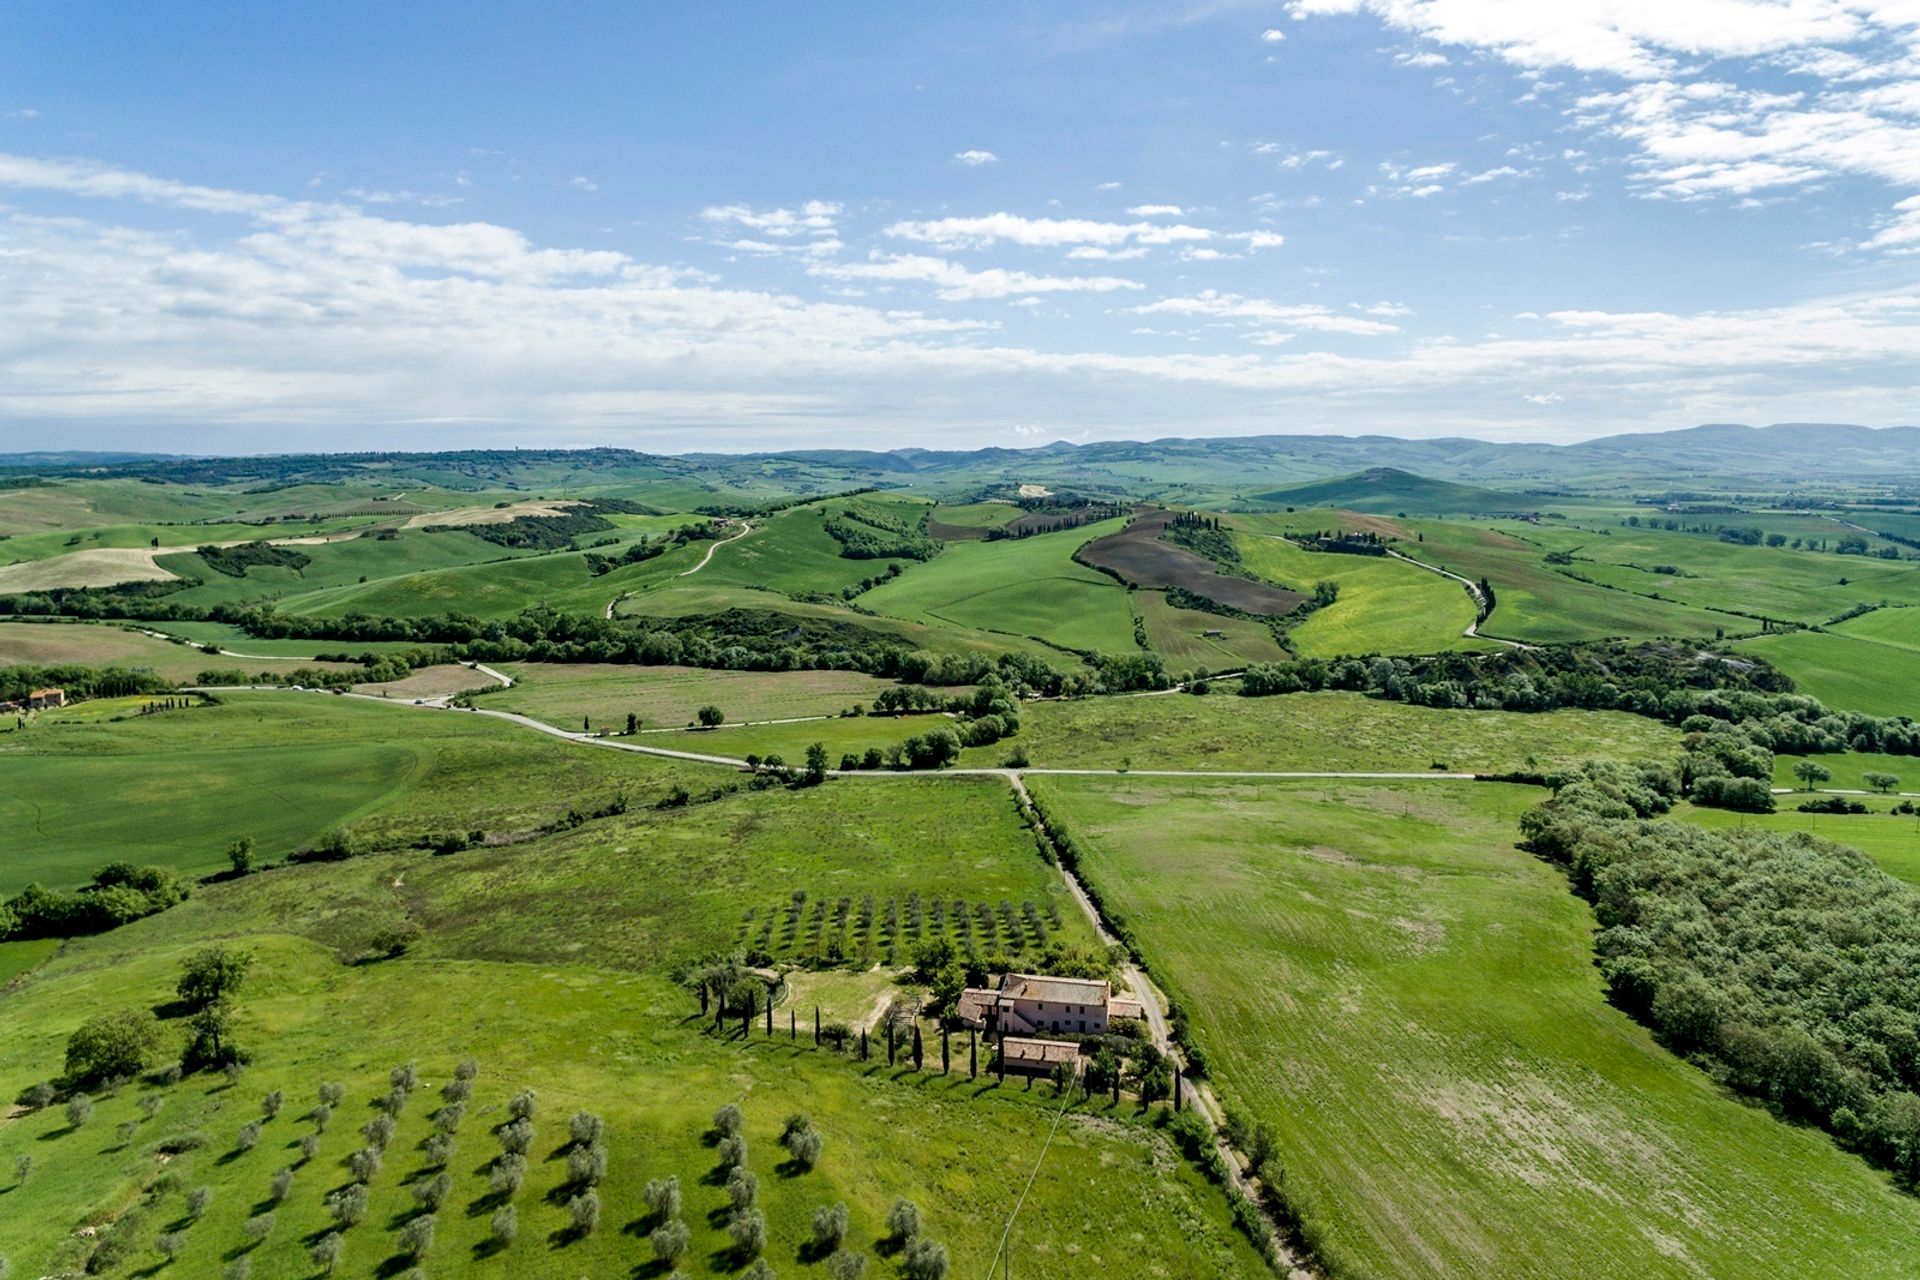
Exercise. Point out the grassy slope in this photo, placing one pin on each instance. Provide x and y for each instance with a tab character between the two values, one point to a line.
1898	627
561	693
1335	731
1384	606
1410	1002
46	643
1180	636
178	787
547	964
1027	586
1846	673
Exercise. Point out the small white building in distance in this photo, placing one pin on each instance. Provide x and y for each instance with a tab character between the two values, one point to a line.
1028	1004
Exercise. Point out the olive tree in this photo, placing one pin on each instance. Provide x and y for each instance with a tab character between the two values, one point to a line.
670	1240
505	1226
748	1231
198	1201
349	1204
522	1105
847	1265
433	1192
325	1253
903	1220
829	1226
516	1139
727	1121
259	1226
509	1171
79	1110
417	1236
282	1185
364	1164
663	1197
249	1136
743	1188
585	1128
584	1209
586	1166
925	1260
378	1132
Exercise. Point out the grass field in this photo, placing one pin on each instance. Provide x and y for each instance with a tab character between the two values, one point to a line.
1846	673
1410	1002
1897	627
792	554
1026	586
547	963
1316	731
176	788
1384	606
223	636
1180	636
1849	770
1891	840
663	697
95	645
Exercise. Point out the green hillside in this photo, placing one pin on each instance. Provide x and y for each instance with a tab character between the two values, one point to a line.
1387	490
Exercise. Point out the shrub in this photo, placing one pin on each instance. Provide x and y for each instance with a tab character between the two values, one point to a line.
517	1138
748	1231
829	1226
198	1201
112	1046
416	1238
903	1220
669	1240
584	1209
509	1171
925	1260
505	1226
79	1110
259	1226
364	1164
271	1104
249	1136
847	1265
586	1166
432	1192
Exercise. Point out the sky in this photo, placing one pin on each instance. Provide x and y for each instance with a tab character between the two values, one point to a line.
250	228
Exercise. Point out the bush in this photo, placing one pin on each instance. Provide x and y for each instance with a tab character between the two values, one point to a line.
584	1209
112	1046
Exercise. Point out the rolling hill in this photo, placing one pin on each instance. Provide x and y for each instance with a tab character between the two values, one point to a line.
1385	490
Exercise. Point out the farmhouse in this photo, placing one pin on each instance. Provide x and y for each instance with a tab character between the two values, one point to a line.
41	699
1027	1004
1029	1057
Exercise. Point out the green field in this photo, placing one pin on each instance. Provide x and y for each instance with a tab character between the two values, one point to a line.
1384	606
94	645
1897	627
1410	1002
1320	731
1182	637
223	636
1849	770
176	788
1024	586
547	963
1846	673
668	697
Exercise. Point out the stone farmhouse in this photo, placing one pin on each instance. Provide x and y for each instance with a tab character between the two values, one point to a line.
1029	1005
42	699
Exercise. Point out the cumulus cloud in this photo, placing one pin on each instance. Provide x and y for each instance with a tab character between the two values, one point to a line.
1273	35
954	282
976	157
1232	306
814	217
1155	211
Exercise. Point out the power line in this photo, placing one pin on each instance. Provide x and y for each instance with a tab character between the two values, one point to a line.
1066	1100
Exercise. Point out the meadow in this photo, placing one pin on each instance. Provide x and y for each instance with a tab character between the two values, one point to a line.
94	645
1025	586
1891	840
1319	731
1182	636
284	769
568	694
1375	972
1849	770
1384	605
1843	671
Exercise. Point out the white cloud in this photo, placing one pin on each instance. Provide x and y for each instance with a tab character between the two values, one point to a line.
1107	186
956	283
1425	59
583	184
24	113
1544	398
1041	233
1273	35
1232	306
815	217
976	157
1156	211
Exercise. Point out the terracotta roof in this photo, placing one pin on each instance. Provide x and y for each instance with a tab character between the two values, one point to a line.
41	693
1125	1007
1057	990
1039	1052
974	1004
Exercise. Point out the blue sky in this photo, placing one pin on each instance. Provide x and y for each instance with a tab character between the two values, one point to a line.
243	227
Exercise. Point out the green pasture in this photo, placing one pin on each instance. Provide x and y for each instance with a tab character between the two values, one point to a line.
176	788
225	636
791	553
1025	586
1319	731
1849	770
1845	672
1410	1003
666	697
1898	627
977	515
97	645
1384	606
1180	636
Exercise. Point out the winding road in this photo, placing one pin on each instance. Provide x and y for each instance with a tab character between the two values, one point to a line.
745	529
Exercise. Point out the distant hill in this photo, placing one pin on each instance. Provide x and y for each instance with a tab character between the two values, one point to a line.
1384	490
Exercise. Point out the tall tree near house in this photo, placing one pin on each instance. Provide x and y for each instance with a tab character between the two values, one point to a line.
973	1056
943	1048
918	1053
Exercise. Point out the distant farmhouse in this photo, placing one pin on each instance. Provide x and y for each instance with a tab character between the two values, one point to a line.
43	699
1028	1005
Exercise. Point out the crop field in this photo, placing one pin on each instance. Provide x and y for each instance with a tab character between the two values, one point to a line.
564	693
960	522
85	644
1139	556
1320	731
1384	606
1845	672
1026	586
861	930
1409	1001
1183	636
284	768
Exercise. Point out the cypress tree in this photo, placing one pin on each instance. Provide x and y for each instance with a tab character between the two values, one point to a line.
918	1055
816	1026
943	1048
973	1056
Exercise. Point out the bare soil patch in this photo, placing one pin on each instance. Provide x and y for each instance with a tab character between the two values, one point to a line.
1137	556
